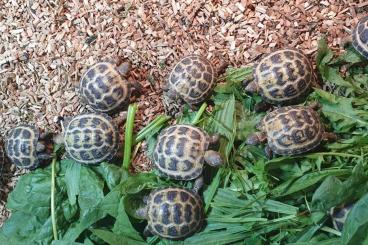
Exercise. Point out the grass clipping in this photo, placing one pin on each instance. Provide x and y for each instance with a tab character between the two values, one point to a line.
249	200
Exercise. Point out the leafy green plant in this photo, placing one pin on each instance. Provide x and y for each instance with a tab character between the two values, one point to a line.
249	200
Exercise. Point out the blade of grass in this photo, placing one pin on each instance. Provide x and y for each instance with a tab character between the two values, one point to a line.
154	124
129	135
199	113
53	211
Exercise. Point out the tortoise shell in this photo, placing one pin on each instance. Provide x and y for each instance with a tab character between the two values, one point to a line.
193	79
174	213
284	77
339	215
179	151
2	153
292	130
21	146
91	138
360	37
104	88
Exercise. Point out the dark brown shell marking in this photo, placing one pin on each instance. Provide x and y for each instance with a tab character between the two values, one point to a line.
179	152
20	146
104	89
293	130
193	79
174	213
284	76
91	138
360	37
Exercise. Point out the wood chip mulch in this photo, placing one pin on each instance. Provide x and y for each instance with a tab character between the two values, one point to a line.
46	45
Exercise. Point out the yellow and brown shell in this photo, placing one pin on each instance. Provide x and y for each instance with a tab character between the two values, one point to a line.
174	213
284	77
91	138
292	130
193	79
179	151
21	146
104	88
360	37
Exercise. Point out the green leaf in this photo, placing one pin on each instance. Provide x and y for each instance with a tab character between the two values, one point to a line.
356	224
90	190
297	184
111	174
114	239
72	176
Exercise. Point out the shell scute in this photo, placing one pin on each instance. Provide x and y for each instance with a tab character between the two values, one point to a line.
360	37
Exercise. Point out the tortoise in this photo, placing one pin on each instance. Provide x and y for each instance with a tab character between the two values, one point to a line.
283	77
191	81
339	215
290	130
360	37
104	88
172	213
26	147
89	138
181	150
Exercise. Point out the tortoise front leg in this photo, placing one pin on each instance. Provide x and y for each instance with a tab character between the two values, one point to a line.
198	184
147	232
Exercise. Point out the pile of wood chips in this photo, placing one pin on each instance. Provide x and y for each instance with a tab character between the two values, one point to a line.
46	45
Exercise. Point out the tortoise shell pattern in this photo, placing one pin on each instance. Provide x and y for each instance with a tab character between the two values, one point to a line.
292	130
104	89
174	213
91	138
284	77
193	79
179	152
339	215
360	37
20	146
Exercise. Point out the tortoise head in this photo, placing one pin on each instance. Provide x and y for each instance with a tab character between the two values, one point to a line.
252	87
256	138
213	158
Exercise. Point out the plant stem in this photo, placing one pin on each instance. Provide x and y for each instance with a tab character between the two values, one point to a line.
129	135
199	113
53	211
157	122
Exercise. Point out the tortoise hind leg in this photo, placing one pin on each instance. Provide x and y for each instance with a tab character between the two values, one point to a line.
328	136
198	184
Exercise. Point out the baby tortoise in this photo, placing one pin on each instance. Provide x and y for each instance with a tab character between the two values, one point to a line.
290	130
172	213
191	81
181	151
339	215
26	147
360	37
89	138
283	77
104	87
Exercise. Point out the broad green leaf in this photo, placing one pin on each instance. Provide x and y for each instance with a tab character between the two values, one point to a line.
72	176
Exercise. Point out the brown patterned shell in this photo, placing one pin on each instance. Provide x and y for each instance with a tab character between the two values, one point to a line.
179	152
104	89
284	77
174	213
292	130
20	146
360	37
193	79
91	138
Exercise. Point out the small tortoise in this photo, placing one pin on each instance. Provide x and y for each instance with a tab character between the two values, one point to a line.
104	87
89	138
360	37
181	151
191	81
290	130
283	77
172	213
26	147
339	215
